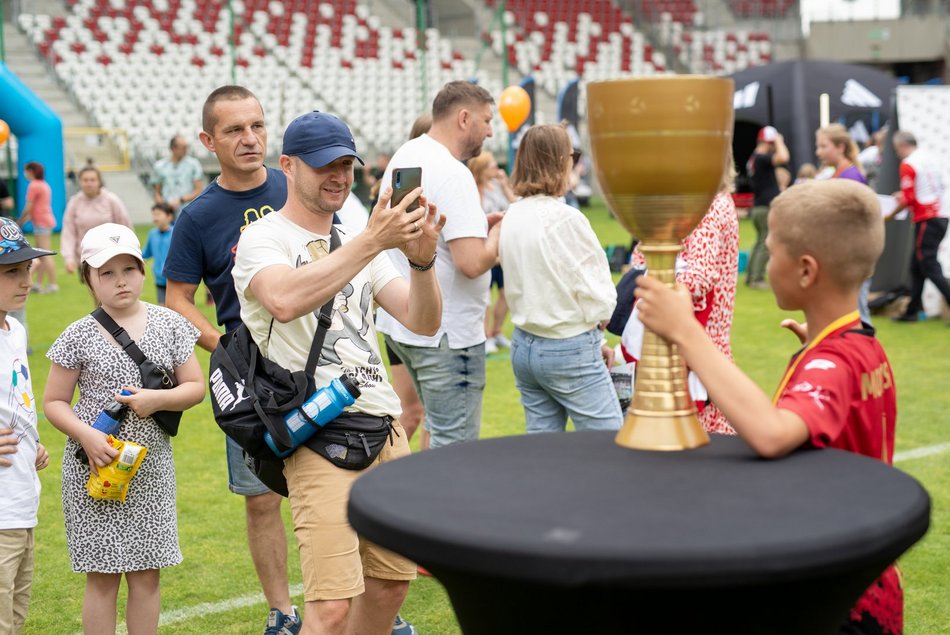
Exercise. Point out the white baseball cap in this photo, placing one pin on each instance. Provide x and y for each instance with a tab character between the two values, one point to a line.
768	133
106	241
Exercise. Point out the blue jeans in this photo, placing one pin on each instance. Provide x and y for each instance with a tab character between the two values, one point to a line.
450	383
241	479
564	378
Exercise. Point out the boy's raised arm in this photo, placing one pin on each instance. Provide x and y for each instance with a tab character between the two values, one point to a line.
770	431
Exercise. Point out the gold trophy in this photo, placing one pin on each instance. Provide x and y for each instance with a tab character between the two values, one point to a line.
660	146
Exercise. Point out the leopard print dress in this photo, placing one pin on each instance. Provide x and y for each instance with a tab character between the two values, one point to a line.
142	532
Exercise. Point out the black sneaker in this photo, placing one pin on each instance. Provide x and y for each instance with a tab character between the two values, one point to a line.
905	317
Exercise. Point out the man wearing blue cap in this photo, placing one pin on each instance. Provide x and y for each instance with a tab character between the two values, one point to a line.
287	266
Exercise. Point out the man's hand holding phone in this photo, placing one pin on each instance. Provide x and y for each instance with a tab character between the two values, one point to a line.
412	224
420	249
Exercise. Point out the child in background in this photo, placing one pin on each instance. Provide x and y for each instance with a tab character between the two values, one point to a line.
156	246
822	400
21	453
806	172
783	177
108	538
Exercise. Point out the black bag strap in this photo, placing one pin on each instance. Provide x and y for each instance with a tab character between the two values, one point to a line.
324	320
280	433
120	335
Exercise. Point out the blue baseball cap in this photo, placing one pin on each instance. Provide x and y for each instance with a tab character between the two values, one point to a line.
13	245
319	139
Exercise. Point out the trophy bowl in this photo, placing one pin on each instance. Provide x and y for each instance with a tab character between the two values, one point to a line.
660	146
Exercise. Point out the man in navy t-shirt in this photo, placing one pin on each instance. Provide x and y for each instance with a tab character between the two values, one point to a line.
202	250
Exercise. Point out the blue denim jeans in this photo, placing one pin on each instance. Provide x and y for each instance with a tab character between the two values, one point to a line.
241	479
564	378
450	383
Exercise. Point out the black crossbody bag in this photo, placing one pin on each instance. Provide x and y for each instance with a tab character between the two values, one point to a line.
154	376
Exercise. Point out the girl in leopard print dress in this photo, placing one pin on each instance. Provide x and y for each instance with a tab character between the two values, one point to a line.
107	538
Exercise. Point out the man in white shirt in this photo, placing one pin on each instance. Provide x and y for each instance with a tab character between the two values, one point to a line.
285	270
449	367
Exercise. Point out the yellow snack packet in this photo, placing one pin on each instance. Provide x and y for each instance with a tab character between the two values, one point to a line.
112	481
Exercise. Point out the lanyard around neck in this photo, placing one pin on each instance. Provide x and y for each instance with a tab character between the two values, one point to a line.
838	324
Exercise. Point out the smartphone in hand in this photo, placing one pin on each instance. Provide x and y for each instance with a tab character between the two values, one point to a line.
405	180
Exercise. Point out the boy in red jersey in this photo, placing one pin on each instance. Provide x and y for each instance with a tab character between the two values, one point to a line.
838	390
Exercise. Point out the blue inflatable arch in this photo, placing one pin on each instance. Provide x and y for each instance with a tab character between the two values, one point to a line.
39	133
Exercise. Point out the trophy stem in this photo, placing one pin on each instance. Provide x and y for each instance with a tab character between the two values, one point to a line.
662	415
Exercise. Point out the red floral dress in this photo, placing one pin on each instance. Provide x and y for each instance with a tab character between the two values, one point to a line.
709	267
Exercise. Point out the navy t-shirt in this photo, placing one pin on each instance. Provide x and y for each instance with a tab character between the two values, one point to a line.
206	236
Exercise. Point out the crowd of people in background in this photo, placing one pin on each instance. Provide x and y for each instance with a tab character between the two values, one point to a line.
272	245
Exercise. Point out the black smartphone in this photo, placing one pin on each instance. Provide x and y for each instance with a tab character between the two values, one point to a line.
405	180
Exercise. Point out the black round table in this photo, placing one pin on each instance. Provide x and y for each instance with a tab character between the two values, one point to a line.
570	533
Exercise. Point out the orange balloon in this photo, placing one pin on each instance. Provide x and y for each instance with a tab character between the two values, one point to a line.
4	132
514	107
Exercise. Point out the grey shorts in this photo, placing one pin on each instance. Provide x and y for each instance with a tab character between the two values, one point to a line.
240	478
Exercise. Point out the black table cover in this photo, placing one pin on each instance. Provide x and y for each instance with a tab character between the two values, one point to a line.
574	533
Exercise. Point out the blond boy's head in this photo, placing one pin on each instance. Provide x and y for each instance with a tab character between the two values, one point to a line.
838	222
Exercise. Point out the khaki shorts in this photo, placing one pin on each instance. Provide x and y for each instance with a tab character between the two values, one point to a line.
333	558
16	577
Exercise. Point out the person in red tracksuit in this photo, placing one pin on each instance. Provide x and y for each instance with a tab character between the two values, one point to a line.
921	189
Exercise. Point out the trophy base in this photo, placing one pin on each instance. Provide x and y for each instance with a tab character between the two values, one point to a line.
661	431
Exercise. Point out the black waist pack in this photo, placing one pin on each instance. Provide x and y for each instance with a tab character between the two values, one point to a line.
154	377
353	440
251	395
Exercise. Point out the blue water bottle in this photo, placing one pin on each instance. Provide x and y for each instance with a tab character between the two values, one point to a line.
111	416
324	406
107	422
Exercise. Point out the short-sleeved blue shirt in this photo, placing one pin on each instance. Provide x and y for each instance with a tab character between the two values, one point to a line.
206	236
157	247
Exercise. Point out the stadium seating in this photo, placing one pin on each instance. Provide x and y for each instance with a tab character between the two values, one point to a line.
679	28
761	8
147	65
682	11
593	39
567	39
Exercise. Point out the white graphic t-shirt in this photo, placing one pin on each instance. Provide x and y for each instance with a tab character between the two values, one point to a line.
21	485
351	345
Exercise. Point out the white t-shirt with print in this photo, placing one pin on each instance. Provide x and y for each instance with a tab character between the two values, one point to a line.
21	485
351	345
450	185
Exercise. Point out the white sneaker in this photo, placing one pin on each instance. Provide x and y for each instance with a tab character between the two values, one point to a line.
490	347
501	341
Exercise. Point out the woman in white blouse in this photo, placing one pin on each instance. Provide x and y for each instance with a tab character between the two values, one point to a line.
559	292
